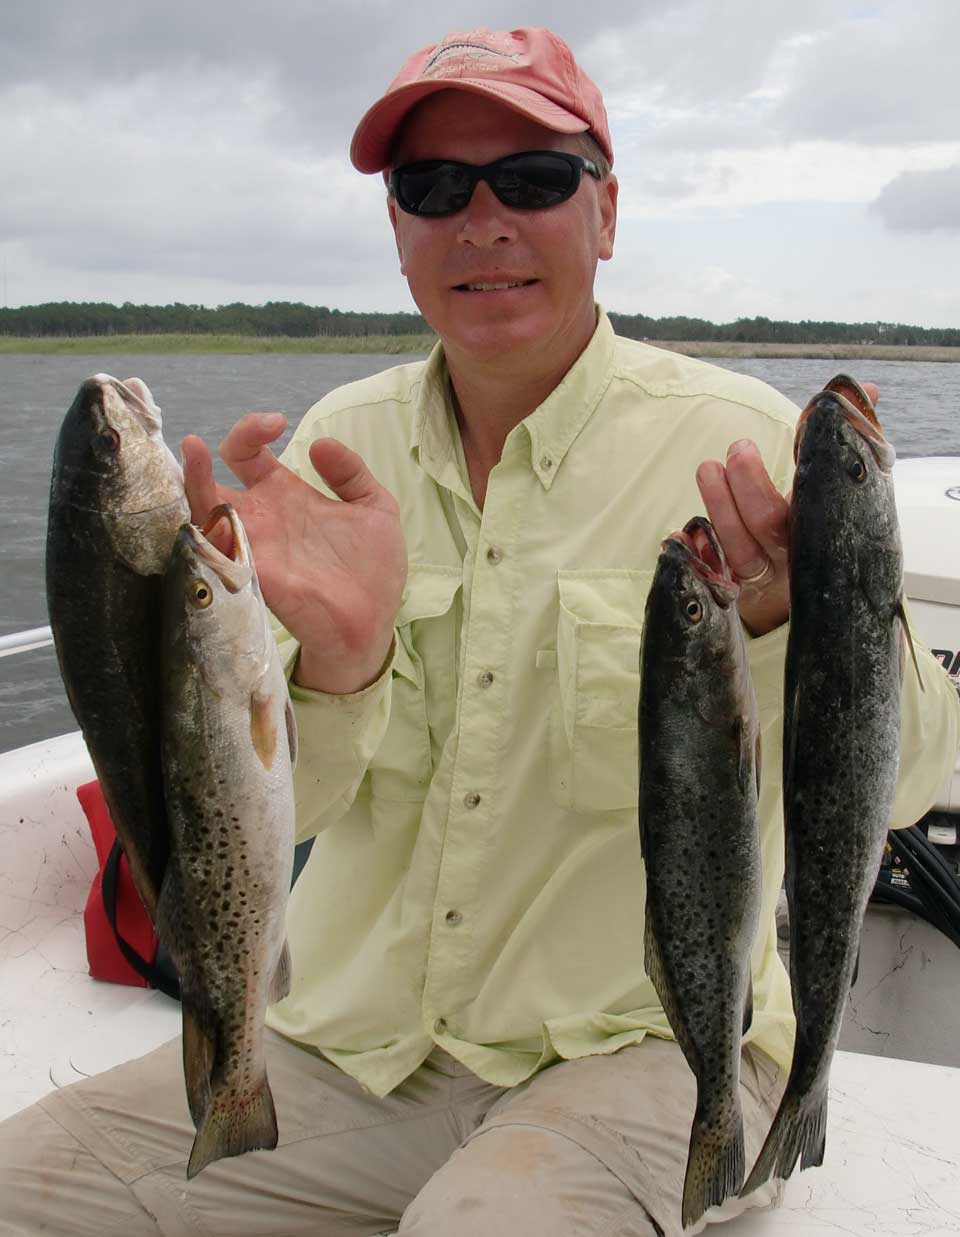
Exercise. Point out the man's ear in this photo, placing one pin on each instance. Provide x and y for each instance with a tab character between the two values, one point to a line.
608	215
394	221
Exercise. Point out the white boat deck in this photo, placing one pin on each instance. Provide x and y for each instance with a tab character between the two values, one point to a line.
893	1141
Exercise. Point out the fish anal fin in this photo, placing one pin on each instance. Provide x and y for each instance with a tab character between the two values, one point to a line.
748	1007
234	1124
199	1056
280	984
263	728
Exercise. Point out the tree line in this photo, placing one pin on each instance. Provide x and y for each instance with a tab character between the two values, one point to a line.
69	318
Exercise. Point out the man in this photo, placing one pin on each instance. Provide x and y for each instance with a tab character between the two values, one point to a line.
471	1043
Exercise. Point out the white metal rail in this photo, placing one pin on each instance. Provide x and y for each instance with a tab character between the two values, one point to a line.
23	641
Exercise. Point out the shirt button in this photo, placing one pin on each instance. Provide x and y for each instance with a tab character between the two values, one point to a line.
453	918
485	678
546	462
471	799
494	554
440	1026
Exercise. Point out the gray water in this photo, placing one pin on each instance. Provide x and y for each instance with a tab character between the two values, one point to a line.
920	409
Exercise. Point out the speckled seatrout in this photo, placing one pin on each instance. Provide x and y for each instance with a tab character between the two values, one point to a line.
116	503
841	736
229	742
699	835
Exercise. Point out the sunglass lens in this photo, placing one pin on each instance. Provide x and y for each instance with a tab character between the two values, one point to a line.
533	181
433	188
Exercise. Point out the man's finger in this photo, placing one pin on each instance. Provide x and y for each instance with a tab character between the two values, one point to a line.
345	472
761	506
246	451
744	553
203	493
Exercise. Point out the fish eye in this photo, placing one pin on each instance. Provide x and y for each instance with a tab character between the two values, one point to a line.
108	440
693	610
201	594
857	471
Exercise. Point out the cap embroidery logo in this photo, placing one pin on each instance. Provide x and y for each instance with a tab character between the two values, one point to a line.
453	58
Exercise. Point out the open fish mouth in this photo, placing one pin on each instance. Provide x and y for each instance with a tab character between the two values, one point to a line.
859	411
138	400
700	546
235	568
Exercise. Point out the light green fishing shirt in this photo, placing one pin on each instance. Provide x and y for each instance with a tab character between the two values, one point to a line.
476	881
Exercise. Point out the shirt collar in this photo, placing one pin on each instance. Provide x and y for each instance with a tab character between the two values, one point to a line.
549	430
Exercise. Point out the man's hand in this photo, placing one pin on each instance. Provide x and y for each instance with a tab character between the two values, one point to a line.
750	518
332	572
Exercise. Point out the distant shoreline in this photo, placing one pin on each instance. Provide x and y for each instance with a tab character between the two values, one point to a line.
396	345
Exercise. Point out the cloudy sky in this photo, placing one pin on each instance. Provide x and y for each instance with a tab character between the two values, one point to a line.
793	160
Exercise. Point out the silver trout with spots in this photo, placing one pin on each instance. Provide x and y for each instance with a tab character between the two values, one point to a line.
700	841
841	734
229	742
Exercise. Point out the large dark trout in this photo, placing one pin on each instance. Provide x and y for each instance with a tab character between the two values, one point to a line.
116	503
229	741
841	736
700	840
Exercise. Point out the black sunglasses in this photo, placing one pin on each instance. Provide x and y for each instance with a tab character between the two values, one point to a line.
531	180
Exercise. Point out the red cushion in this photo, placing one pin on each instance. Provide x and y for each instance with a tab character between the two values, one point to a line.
104	958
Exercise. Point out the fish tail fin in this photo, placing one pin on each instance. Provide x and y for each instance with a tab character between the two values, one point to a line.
234	1124
799	1130
715	1163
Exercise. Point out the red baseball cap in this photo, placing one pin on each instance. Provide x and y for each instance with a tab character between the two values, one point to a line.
530	70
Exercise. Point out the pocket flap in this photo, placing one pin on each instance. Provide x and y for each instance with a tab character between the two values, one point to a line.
430	591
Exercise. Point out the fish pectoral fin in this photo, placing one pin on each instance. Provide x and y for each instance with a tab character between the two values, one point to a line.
280	984
746	754
263	728
907	638
292	740
199	1054
748	1008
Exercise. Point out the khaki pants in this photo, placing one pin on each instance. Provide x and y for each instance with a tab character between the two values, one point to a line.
592	1146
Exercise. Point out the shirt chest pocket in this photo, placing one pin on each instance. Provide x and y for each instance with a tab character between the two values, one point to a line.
421	712
593	748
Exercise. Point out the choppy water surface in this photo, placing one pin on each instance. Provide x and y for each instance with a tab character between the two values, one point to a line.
920	410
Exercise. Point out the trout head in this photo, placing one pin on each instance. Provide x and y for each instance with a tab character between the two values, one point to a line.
843	514
111	459
215	623
692	633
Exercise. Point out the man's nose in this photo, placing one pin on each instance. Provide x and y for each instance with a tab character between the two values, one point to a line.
485	221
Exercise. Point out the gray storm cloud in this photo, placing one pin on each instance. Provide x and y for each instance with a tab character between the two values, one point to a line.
190	146
921	201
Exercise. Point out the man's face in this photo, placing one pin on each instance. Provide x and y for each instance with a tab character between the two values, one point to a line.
550	254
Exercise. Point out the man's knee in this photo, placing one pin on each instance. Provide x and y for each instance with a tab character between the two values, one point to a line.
524	1179
50	1183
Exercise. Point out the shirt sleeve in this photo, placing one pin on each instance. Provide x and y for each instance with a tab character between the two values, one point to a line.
337	737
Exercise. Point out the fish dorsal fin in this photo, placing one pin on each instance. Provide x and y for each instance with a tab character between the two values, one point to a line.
263	727
907	638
